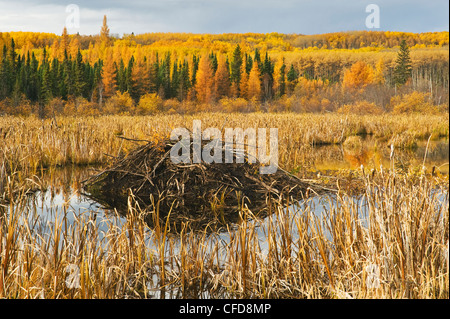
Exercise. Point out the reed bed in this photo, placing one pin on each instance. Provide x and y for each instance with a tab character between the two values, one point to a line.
389	239
32	144
389	242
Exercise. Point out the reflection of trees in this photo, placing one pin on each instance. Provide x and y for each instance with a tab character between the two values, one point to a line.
438	151
321	154
373	153
359	157
65	181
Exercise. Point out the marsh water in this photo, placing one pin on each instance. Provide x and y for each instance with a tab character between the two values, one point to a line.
60	193
59	197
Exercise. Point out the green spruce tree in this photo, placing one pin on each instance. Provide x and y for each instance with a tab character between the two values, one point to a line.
403	68
236	64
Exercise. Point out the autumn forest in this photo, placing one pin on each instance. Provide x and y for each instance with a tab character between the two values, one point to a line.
358	72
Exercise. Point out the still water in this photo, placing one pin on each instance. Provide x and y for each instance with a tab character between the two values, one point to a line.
372	153
61	197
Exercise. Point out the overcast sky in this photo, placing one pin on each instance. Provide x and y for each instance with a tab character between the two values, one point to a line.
222	16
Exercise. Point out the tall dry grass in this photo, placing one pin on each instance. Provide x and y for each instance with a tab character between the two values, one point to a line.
391	242
32	144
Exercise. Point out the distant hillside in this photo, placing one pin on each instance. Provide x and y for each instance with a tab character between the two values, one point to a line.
117	74
282	42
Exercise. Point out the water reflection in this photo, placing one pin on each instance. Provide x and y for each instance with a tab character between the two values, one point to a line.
62	199
58	196
372	153
59	191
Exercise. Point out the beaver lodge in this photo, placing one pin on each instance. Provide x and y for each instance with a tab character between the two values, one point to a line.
203	194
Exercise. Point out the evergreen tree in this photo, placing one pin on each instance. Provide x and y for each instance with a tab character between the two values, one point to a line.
22	79
64	78
121	77
291	77
97	84
5	75
128	74
79	72
236	64
194	70
257	57
54	72
213	61
267	77
403	68
33	88
248	63
46	85
13	55
185	82
164	77
174	86
292	74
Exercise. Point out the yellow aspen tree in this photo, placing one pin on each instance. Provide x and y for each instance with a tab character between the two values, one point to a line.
358	76
28	46
204	80
378	77
254	83
91	54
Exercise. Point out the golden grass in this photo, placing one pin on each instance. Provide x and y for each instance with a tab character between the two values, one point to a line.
31	143
391	243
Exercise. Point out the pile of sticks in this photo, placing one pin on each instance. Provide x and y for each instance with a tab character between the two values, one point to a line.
205	194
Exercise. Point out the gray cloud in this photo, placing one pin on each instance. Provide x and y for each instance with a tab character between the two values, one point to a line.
222	16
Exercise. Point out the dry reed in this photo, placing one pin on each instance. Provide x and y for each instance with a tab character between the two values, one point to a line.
391	241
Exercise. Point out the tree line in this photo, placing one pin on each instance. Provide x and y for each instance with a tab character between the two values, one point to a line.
64	71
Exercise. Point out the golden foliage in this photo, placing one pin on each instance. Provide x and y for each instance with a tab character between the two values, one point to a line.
204	81
109	75
361	108
254	83
358	76
119	103
415	102
149	103
222	79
